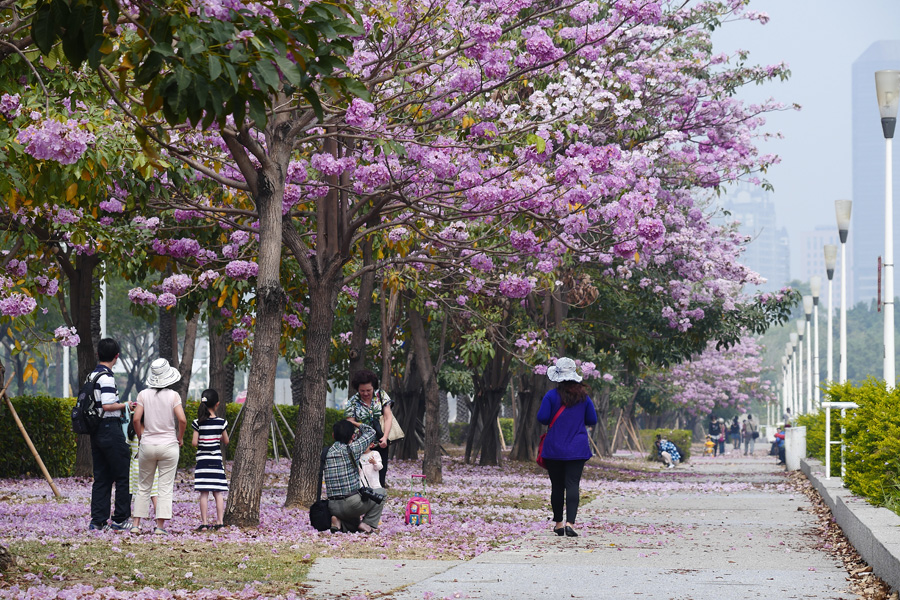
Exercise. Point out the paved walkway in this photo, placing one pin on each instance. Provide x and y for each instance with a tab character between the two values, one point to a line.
718	529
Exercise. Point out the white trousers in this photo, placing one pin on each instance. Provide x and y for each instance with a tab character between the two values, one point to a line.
151	458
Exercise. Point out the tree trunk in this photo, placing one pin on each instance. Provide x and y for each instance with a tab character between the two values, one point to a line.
186	366
463	413
407	409
600	434
302	485
297	386
532	388
445	416
431	466
167	334
248	473
363	314
490	388
81	293
221	369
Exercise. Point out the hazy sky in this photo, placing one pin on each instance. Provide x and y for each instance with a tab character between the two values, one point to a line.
819	39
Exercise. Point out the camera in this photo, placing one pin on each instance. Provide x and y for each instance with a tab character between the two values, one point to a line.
368	493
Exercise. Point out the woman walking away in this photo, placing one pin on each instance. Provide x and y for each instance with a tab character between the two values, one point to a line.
209	475
567	411
159	422
367	406
735	431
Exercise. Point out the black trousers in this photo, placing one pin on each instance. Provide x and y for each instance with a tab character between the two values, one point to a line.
111	459
382	474
565	486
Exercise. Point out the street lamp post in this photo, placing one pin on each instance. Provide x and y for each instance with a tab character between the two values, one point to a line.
801	388
786	387
842	210
830	264
789	397
795	361
887	89
807	310
815	285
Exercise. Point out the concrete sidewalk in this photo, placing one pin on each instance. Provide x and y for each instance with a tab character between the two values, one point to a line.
686	538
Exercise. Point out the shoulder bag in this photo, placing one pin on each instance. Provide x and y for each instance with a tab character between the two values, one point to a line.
540	458
396	433
319	513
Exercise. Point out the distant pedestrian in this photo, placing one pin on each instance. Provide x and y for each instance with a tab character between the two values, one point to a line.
718	430
109	450
162	433
735	433
668	452
749	431
209	474
566	447
779	441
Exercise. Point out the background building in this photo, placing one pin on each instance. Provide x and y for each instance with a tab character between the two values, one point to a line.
867	222
768	252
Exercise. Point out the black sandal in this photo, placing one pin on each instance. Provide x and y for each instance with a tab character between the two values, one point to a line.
202	528
217	526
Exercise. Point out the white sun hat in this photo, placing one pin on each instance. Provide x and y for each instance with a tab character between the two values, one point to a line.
162	374
563	370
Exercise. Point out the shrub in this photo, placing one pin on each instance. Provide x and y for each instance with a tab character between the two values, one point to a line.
458	433
873	440
679	437
49	425
507	427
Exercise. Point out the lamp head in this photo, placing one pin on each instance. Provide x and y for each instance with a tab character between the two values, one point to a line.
830	260
887	90
784	361
807	306
801	327
842	211
794	339
815	287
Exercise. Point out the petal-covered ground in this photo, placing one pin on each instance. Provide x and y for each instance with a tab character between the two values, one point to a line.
475	509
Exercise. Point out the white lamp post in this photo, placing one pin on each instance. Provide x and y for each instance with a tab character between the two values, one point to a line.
807	310
815	285
801	386
789	379
795	363
842	211
830	264
887	89
786	387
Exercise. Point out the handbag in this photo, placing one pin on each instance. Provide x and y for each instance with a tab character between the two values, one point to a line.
396	433
755	435
319	513
540	458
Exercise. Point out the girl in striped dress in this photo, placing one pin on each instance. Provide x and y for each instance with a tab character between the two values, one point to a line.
209	476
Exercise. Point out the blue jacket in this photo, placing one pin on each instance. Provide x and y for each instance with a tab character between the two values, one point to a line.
568	438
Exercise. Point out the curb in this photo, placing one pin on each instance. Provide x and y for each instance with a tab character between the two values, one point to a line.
873	531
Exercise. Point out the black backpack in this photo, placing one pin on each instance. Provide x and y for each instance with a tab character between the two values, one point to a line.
88	411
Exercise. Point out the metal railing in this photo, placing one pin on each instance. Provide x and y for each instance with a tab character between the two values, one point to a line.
828	406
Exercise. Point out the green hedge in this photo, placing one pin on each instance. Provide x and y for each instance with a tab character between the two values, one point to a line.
508	428
679	437
872	438
49	425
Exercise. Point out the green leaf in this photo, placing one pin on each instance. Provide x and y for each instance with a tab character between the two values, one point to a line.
289	69
215	67
355	87
267	74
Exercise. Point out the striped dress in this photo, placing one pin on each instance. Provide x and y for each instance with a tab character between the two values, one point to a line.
209	476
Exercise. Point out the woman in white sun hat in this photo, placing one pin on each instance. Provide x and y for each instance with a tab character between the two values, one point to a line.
161	434
567	410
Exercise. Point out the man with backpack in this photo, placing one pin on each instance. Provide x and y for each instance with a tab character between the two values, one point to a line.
109	449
